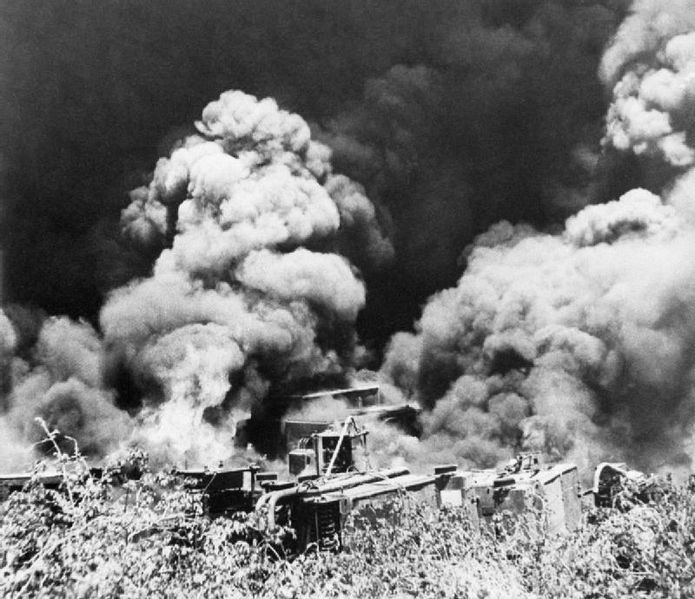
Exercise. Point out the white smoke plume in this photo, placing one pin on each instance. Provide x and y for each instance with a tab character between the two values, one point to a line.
651	67
249	295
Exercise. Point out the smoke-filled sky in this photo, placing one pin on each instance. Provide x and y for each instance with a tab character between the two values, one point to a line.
454	114
487	201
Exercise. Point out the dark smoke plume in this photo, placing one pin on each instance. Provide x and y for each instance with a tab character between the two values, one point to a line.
580	344
453	114
465	135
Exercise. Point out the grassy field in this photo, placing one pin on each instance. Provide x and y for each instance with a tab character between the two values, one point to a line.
150	539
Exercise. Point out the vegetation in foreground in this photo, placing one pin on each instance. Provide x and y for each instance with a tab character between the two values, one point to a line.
149	538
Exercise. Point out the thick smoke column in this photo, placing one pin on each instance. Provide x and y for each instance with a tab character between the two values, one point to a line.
580	344
247	297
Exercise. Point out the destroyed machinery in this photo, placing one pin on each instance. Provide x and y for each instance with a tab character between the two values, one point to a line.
330	477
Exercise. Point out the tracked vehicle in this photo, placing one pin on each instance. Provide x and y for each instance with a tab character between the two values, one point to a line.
333	479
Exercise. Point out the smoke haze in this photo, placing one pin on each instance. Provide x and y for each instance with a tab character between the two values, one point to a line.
580	343
454	114
537	152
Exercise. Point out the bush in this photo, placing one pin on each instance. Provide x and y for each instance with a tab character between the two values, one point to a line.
149	538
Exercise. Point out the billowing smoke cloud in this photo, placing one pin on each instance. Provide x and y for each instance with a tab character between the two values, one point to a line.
579	344
574	345
248	298
452	115
651	66
238	306
230	274
488	124
60	381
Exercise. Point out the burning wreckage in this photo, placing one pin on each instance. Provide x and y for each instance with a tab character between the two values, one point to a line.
330	477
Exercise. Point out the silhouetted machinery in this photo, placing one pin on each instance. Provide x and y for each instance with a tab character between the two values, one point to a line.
331	484
226	491
334	479
330	476
11	483
54	479
524	484
276	426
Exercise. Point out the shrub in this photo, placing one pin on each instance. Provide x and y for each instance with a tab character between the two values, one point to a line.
149	538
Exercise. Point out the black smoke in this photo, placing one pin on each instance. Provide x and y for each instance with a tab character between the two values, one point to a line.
453	115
